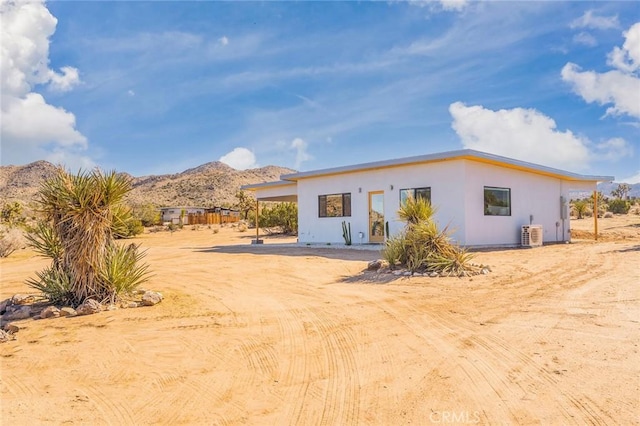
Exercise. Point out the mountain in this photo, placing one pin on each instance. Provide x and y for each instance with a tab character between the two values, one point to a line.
607	187
211	184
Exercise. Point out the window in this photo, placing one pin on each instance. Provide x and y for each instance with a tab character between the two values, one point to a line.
334	205
416	193
497	201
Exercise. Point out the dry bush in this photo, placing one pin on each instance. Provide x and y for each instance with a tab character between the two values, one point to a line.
242	227
11	239
608	215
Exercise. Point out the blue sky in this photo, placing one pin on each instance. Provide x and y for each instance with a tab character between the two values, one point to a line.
159	87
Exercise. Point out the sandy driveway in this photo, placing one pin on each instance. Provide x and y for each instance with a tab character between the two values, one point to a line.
279	335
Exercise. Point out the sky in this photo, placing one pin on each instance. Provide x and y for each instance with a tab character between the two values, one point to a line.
161	87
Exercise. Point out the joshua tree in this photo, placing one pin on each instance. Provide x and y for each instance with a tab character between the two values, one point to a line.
83	213
581	207
621	191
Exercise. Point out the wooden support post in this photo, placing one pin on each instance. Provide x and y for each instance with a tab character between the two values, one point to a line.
257	240
595	214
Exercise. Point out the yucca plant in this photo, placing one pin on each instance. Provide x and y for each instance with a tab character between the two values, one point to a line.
422	246
83	214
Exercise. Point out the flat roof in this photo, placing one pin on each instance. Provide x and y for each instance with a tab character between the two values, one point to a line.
273	184
463	154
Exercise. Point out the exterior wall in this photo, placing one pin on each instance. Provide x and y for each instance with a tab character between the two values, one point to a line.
173	214
446	180
531	195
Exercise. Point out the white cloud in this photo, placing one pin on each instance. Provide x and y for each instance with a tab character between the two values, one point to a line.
456	5
240	158
448	5
30	128
591	20
612	87
627	58
619	87
301	152
524	134
65	81
613	149
632	179
223	40
585	38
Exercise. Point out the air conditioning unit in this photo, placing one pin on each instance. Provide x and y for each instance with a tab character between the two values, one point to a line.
531	236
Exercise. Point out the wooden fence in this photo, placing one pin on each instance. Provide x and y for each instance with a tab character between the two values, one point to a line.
211	218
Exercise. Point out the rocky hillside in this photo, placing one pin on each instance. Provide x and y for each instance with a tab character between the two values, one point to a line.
211	184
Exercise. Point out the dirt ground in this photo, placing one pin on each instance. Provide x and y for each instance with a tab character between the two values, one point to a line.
296	335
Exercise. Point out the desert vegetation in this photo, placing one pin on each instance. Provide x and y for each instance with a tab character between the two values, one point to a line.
83	214
621	203
423	247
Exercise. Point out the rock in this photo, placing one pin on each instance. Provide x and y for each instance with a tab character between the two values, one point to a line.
484	271
68	312
89	307
132	305
151	298
397	273
11	328
5	337
3	305
407	273
17	312
50	312
434	274
374	265
112	307
141	291
22	299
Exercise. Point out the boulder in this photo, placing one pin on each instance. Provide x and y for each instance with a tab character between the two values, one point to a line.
17	312
22	299
3	305
374	265
68	312
50	312
88	307
11	328
151	298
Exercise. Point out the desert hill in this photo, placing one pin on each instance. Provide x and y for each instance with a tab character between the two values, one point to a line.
211	184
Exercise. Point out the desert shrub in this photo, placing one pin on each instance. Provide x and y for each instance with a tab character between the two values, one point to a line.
11	239
283	216
579	208
635	210
11	213
242	227
608	215
83	214
216	230
619	206
148	214
54	285
422	246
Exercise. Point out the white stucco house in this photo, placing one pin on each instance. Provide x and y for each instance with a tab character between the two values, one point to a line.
484	198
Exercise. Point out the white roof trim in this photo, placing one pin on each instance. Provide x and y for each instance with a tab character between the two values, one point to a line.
442	156
268	184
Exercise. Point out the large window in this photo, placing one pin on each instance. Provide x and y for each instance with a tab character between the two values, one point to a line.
334	205
415	193
497	201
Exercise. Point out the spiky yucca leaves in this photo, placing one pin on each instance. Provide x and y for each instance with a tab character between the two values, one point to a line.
54	285
122	269
414	211
423	246
84	211
44	240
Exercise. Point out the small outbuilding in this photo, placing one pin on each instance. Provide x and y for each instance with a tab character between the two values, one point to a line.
485	199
